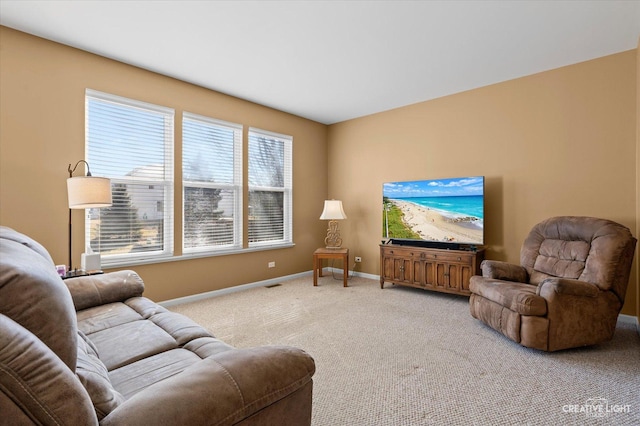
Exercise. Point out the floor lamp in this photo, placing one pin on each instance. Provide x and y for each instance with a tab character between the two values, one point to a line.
85	192
333	212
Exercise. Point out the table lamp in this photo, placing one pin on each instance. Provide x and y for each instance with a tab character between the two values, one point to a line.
333	212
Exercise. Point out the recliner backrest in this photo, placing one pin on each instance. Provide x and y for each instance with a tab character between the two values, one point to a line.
33	295
588	249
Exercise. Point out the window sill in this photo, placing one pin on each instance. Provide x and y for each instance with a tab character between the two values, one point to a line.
189	256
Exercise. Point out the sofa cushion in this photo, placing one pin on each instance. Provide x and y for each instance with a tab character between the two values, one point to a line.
130	342
33	295
94	377
106	316
518	297
135	377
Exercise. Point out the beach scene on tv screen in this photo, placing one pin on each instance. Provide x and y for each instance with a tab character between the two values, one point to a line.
443	210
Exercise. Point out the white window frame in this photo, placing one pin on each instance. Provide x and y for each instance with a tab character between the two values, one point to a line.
235	186
286	189
167	182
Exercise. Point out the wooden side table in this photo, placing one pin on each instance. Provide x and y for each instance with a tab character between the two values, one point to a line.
325	253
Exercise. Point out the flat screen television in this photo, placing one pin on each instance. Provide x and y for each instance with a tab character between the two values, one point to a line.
439	213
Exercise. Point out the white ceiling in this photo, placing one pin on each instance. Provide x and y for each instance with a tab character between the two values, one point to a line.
331	61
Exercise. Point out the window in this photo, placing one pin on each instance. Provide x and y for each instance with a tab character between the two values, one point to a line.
270	186
131	143
212	184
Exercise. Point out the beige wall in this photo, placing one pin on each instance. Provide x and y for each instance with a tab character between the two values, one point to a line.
42	131
561	142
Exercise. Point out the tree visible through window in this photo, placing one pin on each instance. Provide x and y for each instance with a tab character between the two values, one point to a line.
269	188
212	183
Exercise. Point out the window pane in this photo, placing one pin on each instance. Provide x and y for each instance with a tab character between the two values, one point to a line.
266	218
266	161
133	224
208	152
131	143
212	179
208	217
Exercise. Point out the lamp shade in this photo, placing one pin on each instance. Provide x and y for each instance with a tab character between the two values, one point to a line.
333	210
85	192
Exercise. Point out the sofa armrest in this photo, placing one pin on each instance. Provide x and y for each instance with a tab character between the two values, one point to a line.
568	287
225	389
503	271
94	290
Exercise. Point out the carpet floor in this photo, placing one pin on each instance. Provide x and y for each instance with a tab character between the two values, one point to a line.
403	356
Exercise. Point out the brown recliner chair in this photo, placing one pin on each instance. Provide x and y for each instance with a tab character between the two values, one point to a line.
569	290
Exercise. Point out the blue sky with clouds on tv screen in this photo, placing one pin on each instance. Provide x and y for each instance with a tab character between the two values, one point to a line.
435	188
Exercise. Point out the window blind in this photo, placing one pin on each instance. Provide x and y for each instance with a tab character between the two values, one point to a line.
212	184
130	142
270	188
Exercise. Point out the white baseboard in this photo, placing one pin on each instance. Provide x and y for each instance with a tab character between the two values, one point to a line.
630	319
352	273
222	291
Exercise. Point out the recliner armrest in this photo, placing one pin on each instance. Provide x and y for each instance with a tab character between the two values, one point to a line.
225	389
94	290
564	286
499	270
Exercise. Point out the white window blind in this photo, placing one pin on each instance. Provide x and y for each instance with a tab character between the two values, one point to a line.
270	188
212	184
130	142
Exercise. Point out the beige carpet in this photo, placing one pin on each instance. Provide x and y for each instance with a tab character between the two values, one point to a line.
402	356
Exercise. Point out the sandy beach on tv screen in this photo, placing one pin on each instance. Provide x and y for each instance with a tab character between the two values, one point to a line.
432	225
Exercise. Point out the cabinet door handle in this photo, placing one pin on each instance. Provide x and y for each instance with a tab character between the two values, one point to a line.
459	258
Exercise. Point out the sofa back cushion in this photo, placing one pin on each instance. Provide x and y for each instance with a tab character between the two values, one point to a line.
33	295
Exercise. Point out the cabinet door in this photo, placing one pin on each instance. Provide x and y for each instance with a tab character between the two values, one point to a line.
466	272
429	274
417	271
394	268
401	269
451	276
387	268
442	275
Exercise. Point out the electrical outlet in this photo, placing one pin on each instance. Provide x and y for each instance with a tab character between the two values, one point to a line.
271	264
358	259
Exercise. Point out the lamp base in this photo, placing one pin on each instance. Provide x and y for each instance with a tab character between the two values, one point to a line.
333	239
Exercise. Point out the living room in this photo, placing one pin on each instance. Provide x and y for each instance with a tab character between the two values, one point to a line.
563	141
557	142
